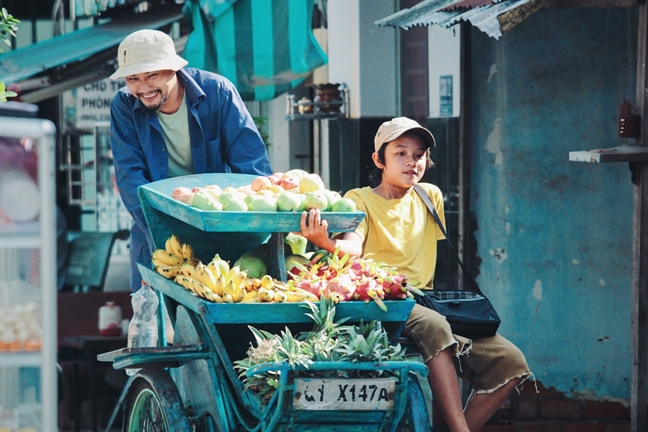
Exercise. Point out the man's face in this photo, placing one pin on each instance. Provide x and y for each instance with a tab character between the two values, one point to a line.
152	88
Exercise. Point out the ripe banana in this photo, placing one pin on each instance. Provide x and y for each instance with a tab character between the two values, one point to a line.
162	257
207	277
168	272
219	286
187	251
238	279
215	269
185	281
249	296
239	294
173	245
267	282
221	264
297	296
265	295
280	297
227	298
192	261
211	296
188	270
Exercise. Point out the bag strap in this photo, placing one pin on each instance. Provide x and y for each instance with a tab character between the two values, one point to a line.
428	203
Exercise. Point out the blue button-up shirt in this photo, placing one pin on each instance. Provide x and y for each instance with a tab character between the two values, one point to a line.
223	136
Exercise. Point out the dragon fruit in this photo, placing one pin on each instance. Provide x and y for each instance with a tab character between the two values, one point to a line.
340	288
369	289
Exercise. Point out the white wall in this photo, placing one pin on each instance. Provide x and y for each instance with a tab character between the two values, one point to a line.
444	59
279	151
363	55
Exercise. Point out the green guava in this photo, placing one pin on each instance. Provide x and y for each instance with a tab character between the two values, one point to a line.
344	205
288	201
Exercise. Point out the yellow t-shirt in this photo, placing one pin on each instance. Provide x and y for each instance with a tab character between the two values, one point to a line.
401	232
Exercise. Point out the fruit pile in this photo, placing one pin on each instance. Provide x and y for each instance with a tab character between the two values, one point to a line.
218	282
346	278
293	191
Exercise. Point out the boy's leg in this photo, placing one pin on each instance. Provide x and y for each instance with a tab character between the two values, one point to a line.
445	387
494	366
481	406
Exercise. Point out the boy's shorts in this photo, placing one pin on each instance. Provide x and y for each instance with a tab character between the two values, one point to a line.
486	363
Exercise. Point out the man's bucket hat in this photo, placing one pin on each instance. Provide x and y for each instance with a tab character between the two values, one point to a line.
390	130
147	51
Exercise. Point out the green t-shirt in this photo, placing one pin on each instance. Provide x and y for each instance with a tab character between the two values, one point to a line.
175	128
401	232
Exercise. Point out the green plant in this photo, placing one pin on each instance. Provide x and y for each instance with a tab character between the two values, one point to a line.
8	27
261	124
328	341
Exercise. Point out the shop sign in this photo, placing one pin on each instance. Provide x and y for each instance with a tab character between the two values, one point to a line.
90	104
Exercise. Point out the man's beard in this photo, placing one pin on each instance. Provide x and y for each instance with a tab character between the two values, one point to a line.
158	105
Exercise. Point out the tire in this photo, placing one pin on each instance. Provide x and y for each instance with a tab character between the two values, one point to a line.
154	404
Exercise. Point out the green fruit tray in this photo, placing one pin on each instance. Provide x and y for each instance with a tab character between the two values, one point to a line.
158	196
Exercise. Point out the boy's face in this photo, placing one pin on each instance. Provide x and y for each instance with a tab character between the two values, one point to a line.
152	88
405	161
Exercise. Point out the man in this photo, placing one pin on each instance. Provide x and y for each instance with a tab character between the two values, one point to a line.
170	121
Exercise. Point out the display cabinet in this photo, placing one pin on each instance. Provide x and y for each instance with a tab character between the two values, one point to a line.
28	274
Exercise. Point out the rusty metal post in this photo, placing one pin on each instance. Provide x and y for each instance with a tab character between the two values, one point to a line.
639	386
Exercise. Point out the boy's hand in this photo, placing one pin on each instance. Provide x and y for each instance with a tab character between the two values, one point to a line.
314	228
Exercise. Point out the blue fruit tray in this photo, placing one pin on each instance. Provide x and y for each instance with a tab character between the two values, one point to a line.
157	195
276	313
230	234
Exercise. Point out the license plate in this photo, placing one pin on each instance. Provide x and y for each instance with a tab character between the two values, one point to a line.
344	394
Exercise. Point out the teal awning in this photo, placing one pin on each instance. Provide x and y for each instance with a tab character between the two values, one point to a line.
66	57
264	47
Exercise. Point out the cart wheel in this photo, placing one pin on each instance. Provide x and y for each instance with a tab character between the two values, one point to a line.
154	404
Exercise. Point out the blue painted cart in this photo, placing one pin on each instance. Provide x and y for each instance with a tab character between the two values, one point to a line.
192	384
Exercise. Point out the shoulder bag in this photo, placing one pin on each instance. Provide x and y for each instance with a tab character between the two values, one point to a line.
469	312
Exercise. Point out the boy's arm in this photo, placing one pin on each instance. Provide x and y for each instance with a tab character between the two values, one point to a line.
315	229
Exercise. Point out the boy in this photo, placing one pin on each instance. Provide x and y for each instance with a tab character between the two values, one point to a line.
398	229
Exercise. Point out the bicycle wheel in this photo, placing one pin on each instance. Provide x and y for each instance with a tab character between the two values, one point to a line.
154	405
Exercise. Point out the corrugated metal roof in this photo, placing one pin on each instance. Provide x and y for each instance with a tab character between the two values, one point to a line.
493	17
61	50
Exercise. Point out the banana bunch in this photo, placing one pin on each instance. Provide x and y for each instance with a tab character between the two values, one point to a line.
269	290
169	261
216	281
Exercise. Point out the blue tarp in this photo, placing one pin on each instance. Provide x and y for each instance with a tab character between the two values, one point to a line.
264	47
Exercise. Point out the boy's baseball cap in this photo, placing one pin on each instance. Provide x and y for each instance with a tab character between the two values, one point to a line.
396	127
147	51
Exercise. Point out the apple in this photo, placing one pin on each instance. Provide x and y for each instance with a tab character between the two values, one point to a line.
182	193
261	183
275	178
289	181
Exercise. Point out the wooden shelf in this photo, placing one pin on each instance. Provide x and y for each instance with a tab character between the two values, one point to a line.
625	153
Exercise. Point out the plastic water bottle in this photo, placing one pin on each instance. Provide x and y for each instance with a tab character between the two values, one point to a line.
143	328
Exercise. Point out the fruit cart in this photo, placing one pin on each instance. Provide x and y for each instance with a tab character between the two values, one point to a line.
193	385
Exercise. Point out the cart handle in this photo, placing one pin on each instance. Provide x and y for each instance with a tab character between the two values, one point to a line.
338	365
